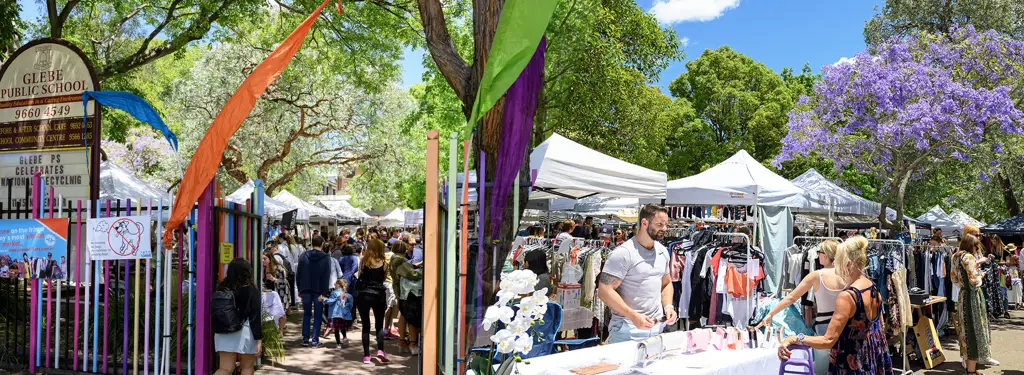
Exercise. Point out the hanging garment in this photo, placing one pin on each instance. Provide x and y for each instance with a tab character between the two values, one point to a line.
899	281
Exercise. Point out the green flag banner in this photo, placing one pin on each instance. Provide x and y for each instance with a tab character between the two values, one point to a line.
522	24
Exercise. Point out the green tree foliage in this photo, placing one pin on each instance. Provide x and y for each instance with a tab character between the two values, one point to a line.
902	18
306	126
11	27
601	56
731	103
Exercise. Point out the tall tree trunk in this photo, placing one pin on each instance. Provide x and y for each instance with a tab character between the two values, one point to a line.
1008	196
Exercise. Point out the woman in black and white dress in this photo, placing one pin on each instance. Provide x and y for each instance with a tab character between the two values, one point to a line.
247	343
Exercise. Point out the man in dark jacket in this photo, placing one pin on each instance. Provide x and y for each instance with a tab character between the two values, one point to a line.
313	277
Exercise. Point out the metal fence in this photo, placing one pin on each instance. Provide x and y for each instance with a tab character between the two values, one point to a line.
124	316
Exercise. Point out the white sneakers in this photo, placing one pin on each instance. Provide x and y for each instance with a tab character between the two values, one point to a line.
984	362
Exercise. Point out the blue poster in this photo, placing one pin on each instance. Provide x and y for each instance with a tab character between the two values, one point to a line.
35	248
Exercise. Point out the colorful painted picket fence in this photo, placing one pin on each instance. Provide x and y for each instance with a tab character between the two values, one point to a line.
128	316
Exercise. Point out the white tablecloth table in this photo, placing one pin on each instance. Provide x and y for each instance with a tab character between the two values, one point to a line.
732	362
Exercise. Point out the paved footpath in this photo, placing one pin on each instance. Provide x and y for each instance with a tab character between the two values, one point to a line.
331	360
1007	347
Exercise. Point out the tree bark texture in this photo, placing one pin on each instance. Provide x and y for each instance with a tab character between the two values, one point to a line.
1008	196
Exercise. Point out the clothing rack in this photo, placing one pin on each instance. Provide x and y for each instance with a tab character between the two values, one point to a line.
903	346
822	239
746	240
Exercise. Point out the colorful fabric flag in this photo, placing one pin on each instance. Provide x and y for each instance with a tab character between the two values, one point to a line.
522	24
135	106
204	162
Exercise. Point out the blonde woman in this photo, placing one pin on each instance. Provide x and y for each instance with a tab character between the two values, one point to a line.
855	333
826	286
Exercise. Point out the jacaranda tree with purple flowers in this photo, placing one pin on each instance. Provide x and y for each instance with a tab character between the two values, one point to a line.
916	103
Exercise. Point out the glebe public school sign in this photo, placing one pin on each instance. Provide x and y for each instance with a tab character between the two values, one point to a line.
41	127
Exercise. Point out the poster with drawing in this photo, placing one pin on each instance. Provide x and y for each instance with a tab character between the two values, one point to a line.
119	238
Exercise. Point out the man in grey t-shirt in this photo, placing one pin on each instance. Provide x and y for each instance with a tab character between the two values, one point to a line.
635	283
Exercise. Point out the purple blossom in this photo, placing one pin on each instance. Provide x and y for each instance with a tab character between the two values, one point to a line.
921	95
950	199
983	176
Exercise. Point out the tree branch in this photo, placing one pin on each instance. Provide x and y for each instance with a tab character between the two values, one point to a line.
232	164
442	49
290	174
195	31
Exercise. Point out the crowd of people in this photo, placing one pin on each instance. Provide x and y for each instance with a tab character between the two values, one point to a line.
337	279
374	277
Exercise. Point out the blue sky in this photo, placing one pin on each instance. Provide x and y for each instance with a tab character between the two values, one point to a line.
777	33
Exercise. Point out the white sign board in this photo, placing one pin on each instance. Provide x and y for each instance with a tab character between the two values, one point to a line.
41	125
119	238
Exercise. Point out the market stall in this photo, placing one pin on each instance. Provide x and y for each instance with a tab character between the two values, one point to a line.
271	207
962	218
341	208
308	211
734	186
564	172
937	218
570	170
393	219
1013	226
622	358
117	183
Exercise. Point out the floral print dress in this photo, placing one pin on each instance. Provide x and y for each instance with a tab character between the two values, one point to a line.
972	326
862	348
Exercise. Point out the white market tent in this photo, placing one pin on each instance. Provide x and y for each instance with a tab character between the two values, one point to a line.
937	218
568	169
340	207
555	204
823	195
963	218
604	207
393	219
271	207
739	180
117	183
413	218
306	210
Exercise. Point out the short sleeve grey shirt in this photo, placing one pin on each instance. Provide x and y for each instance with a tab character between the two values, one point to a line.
641	271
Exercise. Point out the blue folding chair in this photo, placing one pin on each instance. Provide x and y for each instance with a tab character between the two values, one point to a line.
543	335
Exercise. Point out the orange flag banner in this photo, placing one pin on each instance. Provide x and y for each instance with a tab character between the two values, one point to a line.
204	162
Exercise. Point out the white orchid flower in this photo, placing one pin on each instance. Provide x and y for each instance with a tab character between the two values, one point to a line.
496	313
505	340
523	344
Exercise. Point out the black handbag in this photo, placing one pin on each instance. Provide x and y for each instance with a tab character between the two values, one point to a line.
367	290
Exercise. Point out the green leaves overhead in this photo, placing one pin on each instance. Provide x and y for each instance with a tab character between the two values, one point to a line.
732	103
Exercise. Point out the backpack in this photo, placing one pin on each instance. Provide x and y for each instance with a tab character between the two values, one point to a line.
226	317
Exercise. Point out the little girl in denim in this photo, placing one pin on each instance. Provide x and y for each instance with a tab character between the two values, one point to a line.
339	312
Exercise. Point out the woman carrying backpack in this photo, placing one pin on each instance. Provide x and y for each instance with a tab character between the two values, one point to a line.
236	320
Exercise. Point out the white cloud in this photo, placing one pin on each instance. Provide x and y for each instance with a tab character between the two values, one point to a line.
845	60
675	11
685	41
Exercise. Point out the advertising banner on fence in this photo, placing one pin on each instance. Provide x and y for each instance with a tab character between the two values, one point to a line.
119	238
34	248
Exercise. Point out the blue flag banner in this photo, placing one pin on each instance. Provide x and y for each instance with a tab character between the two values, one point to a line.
135	106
